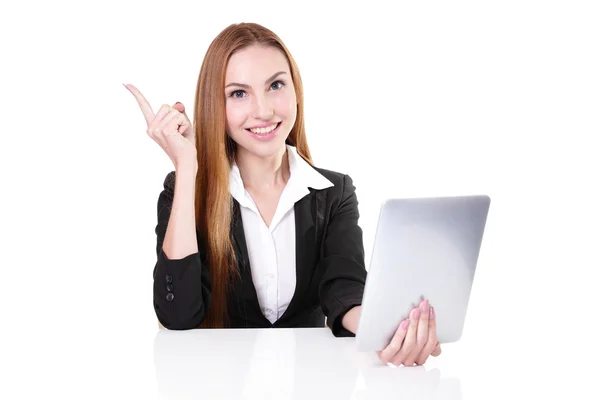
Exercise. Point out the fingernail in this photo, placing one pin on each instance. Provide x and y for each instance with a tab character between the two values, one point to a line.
391	365
424	306
404	324
125	85
416	313
431	313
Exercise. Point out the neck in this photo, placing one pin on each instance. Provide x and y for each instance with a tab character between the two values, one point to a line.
263	173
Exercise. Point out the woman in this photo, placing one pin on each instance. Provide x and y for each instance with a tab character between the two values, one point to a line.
250	234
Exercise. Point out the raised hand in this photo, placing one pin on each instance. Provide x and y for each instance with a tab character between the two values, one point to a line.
415	340
171	129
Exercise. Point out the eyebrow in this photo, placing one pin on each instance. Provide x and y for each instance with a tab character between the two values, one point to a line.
248	87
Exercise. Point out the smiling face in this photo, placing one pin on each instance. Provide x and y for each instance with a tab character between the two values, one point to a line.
260	100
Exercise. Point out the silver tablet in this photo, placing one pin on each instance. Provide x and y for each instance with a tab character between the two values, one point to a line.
424	248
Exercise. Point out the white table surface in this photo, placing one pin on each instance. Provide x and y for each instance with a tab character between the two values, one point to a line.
284	364
141	362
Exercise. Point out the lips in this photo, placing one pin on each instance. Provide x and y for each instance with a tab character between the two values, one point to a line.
266	133
264	130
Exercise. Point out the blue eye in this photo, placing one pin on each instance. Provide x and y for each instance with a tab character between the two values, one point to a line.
235	94
277	85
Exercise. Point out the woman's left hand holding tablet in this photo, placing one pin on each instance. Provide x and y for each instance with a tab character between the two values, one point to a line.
415	339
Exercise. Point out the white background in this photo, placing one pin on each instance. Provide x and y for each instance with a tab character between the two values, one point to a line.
429	98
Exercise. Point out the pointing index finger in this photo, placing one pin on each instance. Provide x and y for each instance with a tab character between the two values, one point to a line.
142	102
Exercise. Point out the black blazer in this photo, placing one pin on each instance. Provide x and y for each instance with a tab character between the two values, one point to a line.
330	266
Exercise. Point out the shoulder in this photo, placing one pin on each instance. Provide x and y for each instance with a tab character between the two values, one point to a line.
343	185
169	182
336	177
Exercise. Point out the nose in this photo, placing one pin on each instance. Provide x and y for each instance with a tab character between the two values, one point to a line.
263	108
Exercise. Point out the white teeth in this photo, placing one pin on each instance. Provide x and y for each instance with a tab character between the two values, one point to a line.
262	131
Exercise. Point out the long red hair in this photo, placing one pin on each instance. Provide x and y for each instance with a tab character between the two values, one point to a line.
216	153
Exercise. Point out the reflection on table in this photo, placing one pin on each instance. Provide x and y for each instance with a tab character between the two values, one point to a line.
284	364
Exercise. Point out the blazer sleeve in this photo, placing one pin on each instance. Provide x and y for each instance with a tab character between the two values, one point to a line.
342	285
181	286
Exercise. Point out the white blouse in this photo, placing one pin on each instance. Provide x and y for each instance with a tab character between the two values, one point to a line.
272	250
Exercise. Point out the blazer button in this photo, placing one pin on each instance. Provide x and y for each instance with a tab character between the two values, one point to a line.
169	288
170	296
169	278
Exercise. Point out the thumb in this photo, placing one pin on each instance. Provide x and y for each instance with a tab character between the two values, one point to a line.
437	350
179	107
187	131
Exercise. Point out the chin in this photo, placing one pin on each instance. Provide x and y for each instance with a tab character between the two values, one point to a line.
264	150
